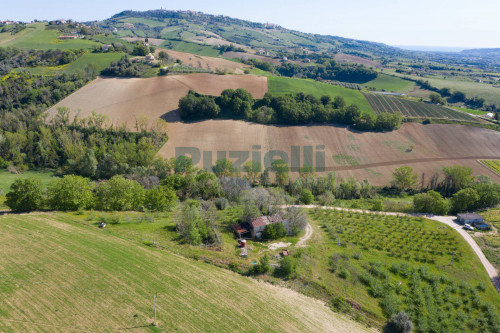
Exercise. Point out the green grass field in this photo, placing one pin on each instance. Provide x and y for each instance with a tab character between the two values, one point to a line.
35	36
100	60
489	242
490	94
58	275
388	264
413	109
148	22
194	48
7	178
385	82
494	165
284	85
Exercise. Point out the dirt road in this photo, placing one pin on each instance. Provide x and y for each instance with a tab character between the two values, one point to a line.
302	241
449	220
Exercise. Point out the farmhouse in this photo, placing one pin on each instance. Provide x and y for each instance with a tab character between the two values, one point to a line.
470	218
67	37
255	228
150	57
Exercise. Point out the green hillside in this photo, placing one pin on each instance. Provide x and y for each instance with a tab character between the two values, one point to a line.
60	276
284	85
386	82
35	36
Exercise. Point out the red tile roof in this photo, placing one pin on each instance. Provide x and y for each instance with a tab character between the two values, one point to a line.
260	221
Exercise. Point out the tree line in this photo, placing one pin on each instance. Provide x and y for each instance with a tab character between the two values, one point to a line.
458	191
86	146
14	58
295	109
323	69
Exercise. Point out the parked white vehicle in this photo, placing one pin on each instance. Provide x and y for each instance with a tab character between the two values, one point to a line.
468	227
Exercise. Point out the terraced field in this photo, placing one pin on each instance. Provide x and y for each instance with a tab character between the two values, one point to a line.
383	103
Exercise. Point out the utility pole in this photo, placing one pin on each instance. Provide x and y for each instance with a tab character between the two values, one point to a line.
154	306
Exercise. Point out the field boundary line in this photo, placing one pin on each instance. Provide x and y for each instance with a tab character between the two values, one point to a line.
487	167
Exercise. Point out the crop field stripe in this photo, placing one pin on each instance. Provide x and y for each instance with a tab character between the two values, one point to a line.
493	165
407	110
393	101
389	103
373	102
385	104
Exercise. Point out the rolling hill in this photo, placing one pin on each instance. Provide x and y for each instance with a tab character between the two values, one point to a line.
60	276
125	100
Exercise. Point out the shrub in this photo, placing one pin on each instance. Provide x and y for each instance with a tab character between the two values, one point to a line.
274	231
288	266
221	203
400	323
430	202
3	163
119	193
340	304
306	197
25	195
378	205
344	273
70	193
160	198
263	266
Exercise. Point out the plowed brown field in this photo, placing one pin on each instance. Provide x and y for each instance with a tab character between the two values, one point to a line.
204	62
123	100
363	155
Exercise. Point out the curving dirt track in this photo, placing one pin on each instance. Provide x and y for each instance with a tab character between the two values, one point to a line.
363	155
123	100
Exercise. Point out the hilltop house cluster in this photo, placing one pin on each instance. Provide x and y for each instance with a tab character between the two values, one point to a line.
256	227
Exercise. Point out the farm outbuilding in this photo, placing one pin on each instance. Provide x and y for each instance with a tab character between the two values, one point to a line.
470	218
255	228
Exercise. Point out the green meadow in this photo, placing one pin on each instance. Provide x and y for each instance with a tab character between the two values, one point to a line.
284	85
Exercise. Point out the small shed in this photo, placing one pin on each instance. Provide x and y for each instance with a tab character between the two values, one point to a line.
470	218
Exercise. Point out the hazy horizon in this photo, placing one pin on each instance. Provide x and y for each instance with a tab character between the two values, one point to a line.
431	24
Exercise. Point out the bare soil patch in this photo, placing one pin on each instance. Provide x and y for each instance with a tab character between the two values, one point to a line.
125	100
348	153
357	60
205	62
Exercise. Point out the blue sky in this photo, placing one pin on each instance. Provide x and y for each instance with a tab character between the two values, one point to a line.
396	22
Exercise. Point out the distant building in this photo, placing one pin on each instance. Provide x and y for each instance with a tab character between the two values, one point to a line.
128	26
470	218
150	57
285	59
106	47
